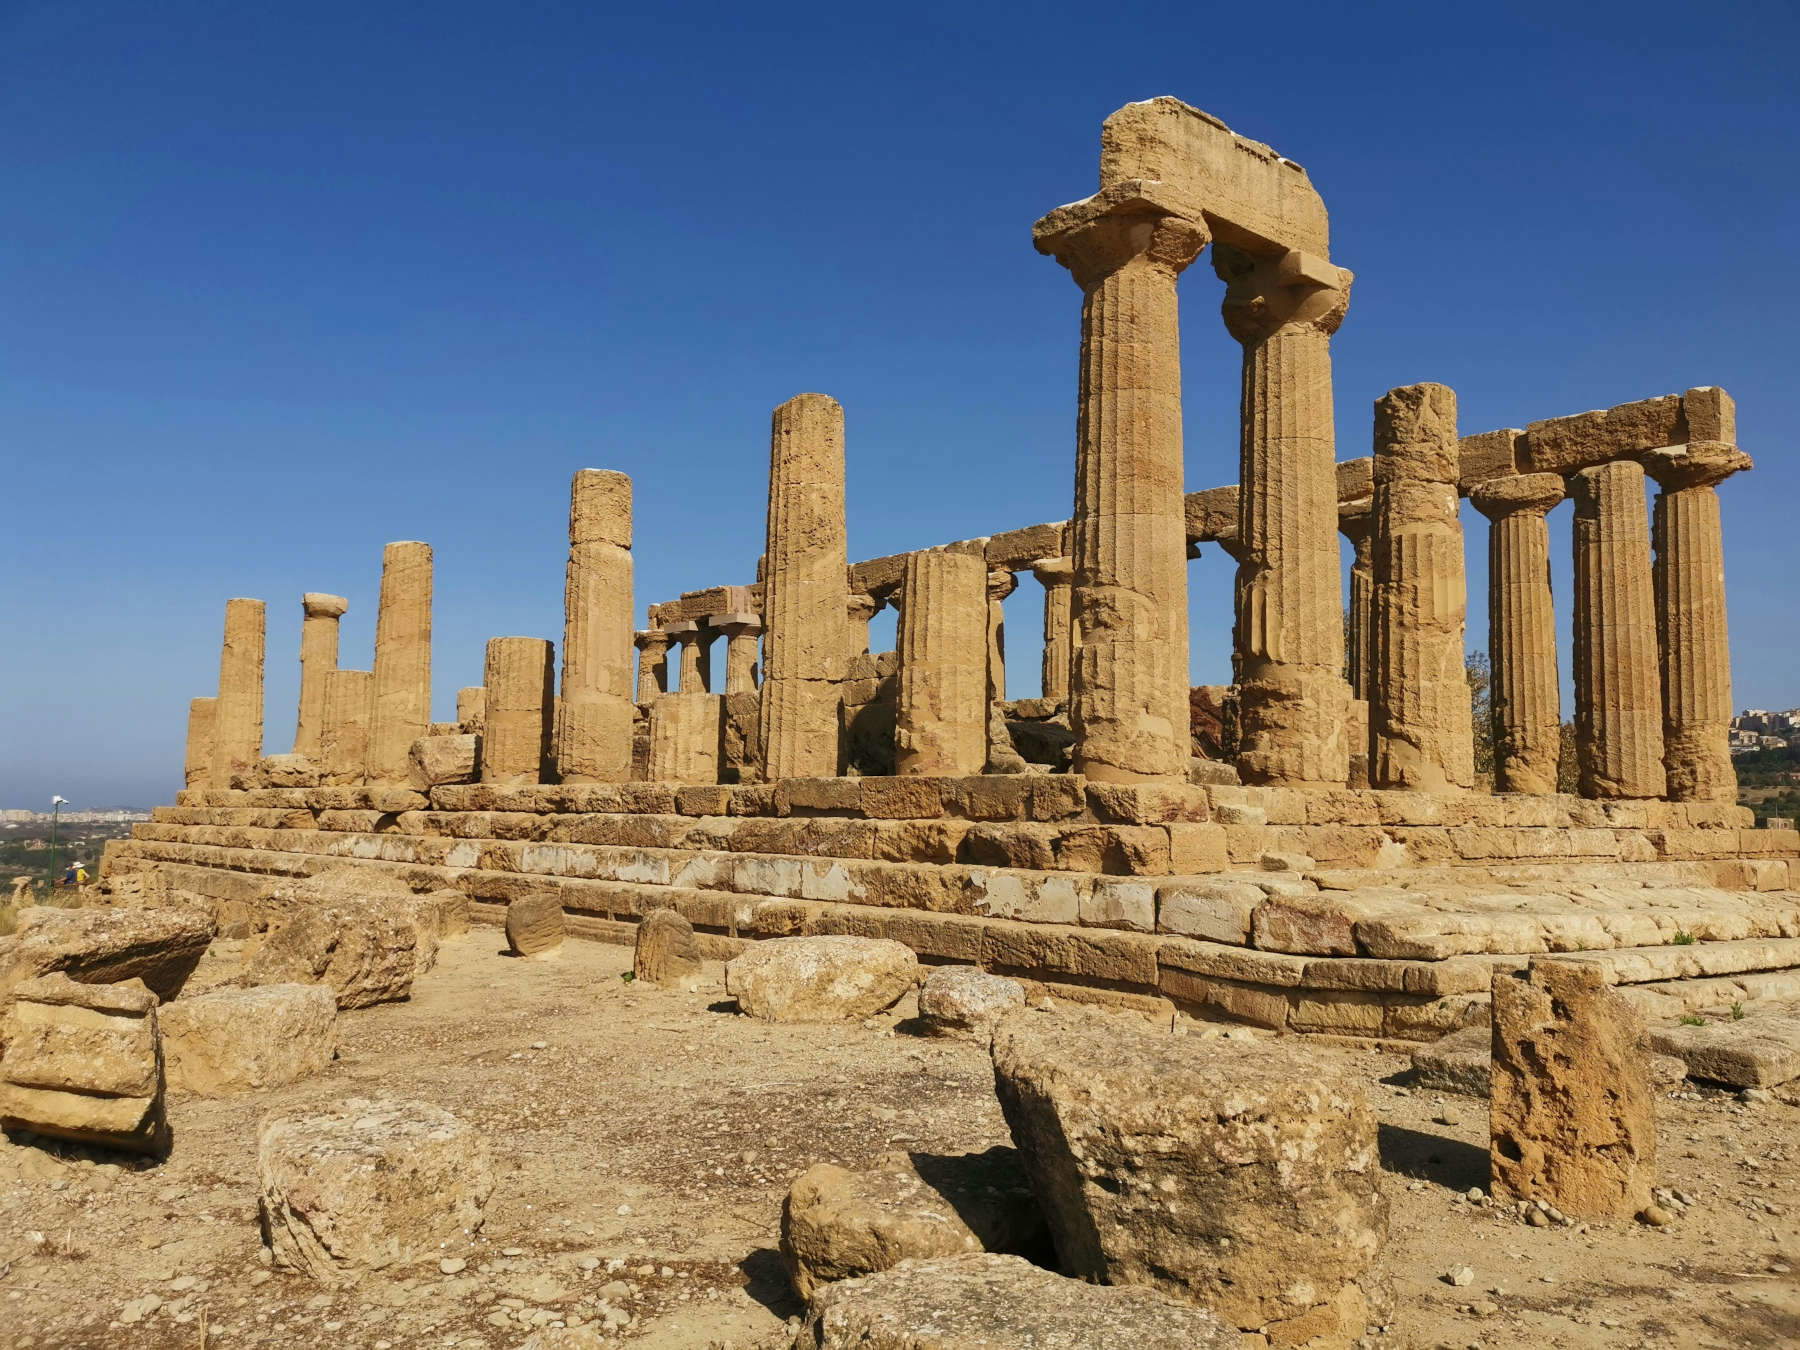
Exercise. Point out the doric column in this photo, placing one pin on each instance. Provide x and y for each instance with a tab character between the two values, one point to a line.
1000	584
859	608
1125	247
349	709
520	679
686	635
318	658
742	630
1291	641
1057	576
1420	732
804	590
653	663
471	709
1690	618
684	738
941	725
402	661
238	715
1618	695
1526	695
1359	528
594	712
197	767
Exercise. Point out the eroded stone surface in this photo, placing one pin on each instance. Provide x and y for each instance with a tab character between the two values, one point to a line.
248	1040
107	945
1762	1050
967	1001
534	925
666	953
821	979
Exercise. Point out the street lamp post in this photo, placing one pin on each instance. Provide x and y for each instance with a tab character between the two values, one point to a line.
56	806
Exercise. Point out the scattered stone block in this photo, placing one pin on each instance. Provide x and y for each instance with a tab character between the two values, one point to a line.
981	1301
365	950
666	953
83	1062
821	979
967	1001
1760	1051
434	761
837	1224
1573	1118
534	925
368	1185
287	771
1242	1176
248	1040
106	945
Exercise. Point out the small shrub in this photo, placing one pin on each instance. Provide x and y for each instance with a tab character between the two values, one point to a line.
1737	1012
1689	1020
1683	938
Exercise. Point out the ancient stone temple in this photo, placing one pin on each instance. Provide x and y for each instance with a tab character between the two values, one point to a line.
1344	868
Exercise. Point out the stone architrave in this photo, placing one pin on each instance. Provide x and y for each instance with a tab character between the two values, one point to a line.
1057	576
742	631
941	725
349	708
1125	248
1527	696
520	679
653	664
1292	693
238	715
804	590
1690	618
1420	732
685	735
594	712
318	658
1618	693
1358	527
196	769
471	709
402	710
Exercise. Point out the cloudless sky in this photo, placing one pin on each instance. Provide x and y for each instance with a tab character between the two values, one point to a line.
281	282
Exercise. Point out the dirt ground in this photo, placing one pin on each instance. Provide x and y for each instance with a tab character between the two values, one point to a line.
644	1139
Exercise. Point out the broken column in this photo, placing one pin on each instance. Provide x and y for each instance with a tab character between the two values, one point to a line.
238	714
471	709
685	733
742	631
804	592
942	721
318	658
1125	247
197	766
402	711
1690	619
1618	694
1527	696
1420	732
349	709
594	712
520	679
1292	693
653	663
1057	576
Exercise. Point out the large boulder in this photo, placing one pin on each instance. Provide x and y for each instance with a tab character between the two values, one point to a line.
1241	1175
980	1301
83	1062
666	953
967	1001
366	949
821	979
534	925
106	945
368	1185
248	1040
837	1224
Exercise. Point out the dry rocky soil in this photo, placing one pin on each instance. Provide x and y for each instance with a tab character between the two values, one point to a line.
644	1139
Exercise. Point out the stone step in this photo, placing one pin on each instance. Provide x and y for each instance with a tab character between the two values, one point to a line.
1666	1001
1697	960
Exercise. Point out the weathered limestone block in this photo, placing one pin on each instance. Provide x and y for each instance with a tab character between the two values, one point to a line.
1572	1116
1240	1175
287	771
471	709
981	1301
238	716
686	735
967	1001
318	658
400	701
1420	736
594	713
437	760
106	945
838	1224
942	721
1462	1062
83	1062
367	949
349	709
367	1186
1761	1051
197	766
534	924
666	953
821	979
520	680
248	1040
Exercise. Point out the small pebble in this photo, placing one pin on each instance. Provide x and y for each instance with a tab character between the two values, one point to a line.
1460	1276
451	1265
1656	1216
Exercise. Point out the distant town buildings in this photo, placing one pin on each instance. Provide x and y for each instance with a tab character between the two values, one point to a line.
108	816
1761	729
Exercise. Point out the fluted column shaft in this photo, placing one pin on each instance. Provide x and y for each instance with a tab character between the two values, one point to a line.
318	658
653	664
1359	529
742	632
1618	694
1526	693
594	712
349	710
687	635
1129	681
238	715
1057	576
520	679
804	590
685	730
1690	619
198	764
402	661
942	721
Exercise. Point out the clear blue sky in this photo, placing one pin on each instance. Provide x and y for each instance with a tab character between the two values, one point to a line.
282	282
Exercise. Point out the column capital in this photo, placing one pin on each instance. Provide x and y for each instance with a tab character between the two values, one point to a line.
1356	520
682	630
1697	464
1054	571
861	605
735	625
1138	219
1520	493
1001	583
1264	295
651	639
318	605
